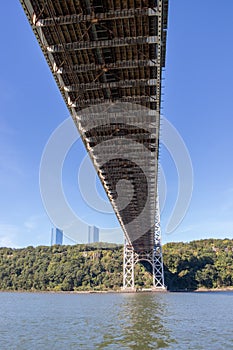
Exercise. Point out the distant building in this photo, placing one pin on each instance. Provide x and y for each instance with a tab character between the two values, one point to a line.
56	236
93	234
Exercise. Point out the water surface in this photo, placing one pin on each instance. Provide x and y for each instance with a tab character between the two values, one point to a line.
177	321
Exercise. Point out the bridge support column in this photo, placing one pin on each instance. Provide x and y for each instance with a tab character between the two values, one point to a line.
153	256
157	266
128	267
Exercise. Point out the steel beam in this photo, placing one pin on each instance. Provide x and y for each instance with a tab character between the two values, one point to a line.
113	84
94	17
91	102
82	68
85	45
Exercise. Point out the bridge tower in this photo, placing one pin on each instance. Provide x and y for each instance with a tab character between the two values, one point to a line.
153	256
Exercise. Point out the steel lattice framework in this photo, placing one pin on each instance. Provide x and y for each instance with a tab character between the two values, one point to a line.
105	53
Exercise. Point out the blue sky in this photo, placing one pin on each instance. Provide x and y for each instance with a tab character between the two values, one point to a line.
197	101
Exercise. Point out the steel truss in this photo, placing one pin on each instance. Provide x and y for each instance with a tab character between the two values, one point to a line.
153	256
81	68
94	17
93	102
116	42
115	84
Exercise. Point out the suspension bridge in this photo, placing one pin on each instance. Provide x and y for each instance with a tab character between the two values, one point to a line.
107	58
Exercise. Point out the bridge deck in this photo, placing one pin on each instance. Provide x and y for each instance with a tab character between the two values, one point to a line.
111	51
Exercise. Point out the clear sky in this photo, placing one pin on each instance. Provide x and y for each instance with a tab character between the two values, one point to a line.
198	95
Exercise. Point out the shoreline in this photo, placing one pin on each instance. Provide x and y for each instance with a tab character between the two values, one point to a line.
199	290
224	289
84	292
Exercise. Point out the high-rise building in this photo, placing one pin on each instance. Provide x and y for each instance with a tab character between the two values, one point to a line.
56	236
93	234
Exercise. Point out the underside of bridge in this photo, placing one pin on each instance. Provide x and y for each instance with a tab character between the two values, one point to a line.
107	58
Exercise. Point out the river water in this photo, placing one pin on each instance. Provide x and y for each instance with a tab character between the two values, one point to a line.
116	321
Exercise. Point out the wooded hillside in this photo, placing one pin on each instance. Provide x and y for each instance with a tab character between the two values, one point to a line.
204	263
